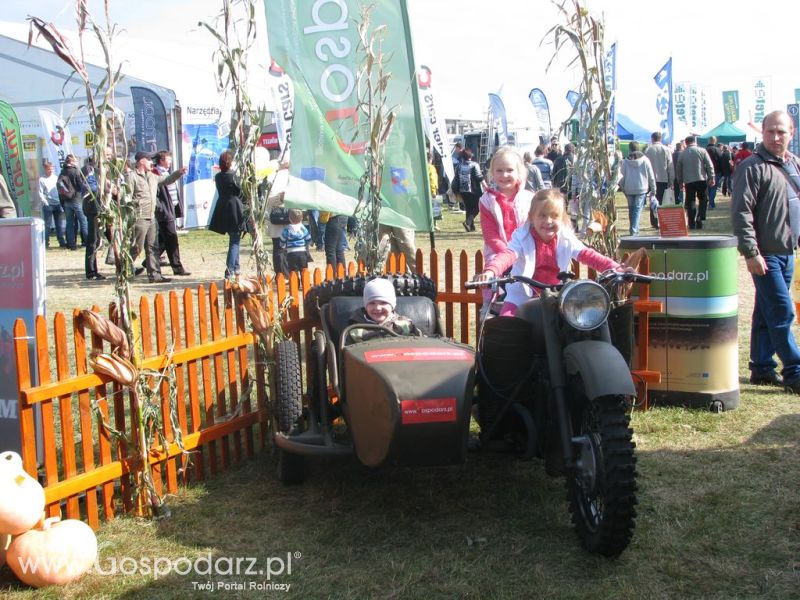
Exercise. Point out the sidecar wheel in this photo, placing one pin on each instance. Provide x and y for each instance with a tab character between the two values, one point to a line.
602	490
288	403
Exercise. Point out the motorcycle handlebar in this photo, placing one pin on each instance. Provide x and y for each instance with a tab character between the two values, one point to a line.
631	277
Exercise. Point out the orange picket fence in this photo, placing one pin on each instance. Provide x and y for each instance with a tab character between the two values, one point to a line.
221	392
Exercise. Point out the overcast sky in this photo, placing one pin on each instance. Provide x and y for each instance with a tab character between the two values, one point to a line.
475	47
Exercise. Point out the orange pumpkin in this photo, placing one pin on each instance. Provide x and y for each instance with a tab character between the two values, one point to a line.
55	553
21	496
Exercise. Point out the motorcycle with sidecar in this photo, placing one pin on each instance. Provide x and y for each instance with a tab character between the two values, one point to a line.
550	384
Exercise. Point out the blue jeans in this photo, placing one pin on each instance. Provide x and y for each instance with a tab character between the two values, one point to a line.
635	204
76	221
232	260
334	235
773	315
712	191
54	214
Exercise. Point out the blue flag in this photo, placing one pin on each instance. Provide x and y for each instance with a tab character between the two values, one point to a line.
539	101
499	118
663	80
610	77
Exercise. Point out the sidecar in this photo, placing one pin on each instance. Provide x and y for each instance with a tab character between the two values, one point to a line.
389	400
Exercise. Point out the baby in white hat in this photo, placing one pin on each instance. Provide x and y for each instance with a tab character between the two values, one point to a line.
380	301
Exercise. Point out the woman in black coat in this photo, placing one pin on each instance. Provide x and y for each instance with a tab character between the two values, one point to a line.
227	217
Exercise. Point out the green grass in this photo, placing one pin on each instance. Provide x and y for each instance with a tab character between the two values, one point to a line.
718	515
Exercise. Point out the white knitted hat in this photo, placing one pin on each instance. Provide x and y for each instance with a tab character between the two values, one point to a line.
380	289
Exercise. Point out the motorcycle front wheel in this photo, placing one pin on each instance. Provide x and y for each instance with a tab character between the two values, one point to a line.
602	489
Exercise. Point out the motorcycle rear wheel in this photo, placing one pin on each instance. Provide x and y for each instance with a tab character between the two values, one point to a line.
602	494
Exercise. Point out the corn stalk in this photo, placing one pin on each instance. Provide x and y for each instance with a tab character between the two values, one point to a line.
372	81
581	36
117	213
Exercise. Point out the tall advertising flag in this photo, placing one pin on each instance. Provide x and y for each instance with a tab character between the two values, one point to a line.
57	139
434	128
499	116
610	77
793	110
11	160
663	80
150	120
283	97
542	109
730	104
316	42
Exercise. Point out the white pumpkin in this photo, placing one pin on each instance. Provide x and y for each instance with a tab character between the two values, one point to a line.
5	540
21	496
55	553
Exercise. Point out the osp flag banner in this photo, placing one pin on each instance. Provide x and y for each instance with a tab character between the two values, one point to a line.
11	160
57	140
283	96
663	80
610	77
150	120
761	99
499	117
315	41
730	104
542	110
437	135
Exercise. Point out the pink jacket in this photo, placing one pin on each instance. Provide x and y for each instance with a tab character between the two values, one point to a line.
494	234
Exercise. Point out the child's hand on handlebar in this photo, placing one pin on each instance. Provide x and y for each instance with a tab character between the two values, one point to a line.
485	276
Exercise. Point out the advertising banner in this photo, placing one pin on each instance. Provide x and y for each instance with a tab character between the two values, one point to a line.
22	295
794	143
434	129
694	106
57	138
760	99
730	104
150	117
542	109
11	160
610	77
283	98
663	80
498	110
316	42
205	137
680	101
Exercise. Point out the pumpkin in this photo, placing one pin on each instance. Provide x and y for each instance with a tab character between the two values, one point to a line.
55	553
21	496
5	540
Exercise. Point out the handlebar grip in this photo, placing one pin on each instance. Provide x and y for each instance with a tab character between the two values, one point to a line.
473	285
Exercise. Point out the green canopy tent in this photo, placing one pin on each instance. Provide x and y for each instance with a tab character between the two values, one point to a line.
726	133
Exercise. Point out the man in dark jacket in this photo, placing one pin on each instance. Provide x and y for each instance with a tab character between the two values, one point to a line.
168	208
765	212
696	172
677	185
73	203
715	153
562	170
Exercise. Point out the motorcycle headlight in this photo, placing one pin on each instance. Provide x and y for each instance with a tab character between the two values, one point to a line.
584	304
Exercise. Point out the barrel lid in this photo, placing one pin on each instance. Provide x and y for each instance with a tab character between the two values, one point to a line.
683	243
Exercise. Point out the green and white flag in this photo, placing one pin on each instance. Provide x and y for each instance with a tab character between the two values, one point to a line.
12	161
315	42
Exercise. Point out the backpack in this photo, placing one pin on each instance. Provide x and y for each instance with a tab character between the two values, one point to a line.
66	191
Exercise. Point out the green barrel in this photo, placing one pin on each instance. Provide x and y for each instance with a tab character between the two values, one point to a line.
694	343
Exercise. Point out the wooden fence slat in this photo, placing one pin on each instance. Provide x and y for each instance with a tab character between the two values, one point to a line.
146	328
208	395
233	372
448	287
121	425
166	409
219	371
463	308
198	461
65	412
180	371
244	377
103	435
26	420
48	417
85	419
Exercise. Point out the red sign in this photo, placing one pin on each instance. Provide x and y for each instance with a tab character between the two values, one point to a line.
268	141
672	222
430	410
417	354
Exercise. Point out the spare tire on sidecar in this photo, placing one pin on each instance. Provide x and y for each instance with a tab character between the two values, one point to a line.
405	400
